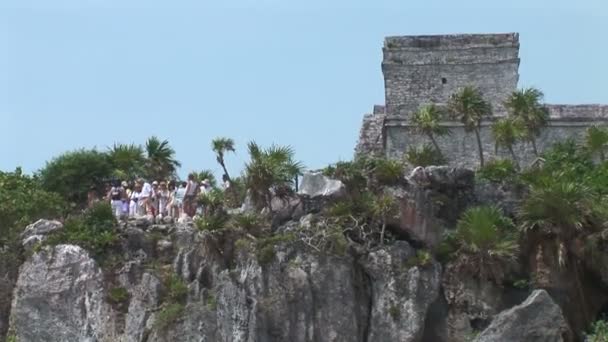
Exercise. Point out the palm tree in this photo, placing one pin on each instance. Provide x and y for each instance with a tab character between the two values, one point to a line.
427	121
507	132
554	215
160	159
127	160
597	140
208	175
220	146
469	106
486	242
526	106
270	170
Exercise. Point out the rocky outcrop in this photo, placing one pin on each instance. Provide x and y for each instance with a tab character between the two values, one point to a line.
59	296
37	232
315	184
472	303
432	201
295	294
538	319
400	297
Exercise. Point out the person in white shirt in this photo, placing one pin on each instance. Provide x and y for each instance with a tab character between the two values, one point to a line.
134	201
145	196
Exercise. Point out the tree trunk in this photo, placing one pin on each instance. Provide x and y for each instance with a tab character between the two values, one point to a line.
533	141
480	148
602	156
434	143
221	161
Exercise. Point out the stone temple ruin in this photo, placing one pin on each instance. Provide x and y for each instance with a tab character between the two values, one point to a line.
421	70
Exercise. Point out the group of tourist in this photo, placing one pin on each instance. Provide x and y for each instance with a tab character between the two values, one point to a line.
158	198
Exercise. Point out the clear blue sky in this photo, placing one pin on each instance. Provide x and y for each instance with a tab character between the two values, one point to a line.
86	73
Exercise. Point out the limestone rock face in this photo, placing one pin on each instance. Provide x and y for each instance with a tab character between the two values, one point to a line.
315	184
59	297
37	232
401	296
537	319
471	301
432	201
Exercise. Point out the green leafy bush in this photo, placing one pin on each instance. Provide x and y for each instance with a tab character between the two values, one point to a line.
486	241
23	201
94	230
265	247
422	258
388	171
72	174
498	170
177	290
168	315
426	155
118	295
247	221
212	222
272	168
598	332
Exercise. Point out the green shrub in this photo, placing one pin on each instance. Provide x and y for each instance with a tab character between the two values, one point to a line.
265	246
598	332
247	221
212	222
72	174
498	170
23	201
94	230
212	201
351	173
388	171
118	295
426	155
422	258
168	315
177	290
211	302
486	241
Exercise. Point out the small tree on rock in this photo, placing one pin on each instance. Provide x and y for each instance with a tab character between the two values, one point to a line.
525	105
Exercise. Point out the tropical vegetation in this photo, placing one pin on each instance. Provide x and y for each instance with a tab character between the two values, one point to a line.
469	106
525	106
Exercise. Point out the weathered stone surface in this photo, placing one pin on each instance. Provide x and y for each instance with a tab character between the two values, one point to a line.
538	319
37	232
315	184
432	201
400	296
420	70
472	303
59	296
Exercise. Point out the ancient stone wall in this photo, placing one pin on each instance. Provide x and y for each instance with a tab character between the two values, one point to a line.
460	148
371	141
428	69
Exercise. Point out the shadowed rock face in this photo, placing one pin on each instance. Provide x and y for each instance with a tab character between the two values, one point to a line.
299	295
538	319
